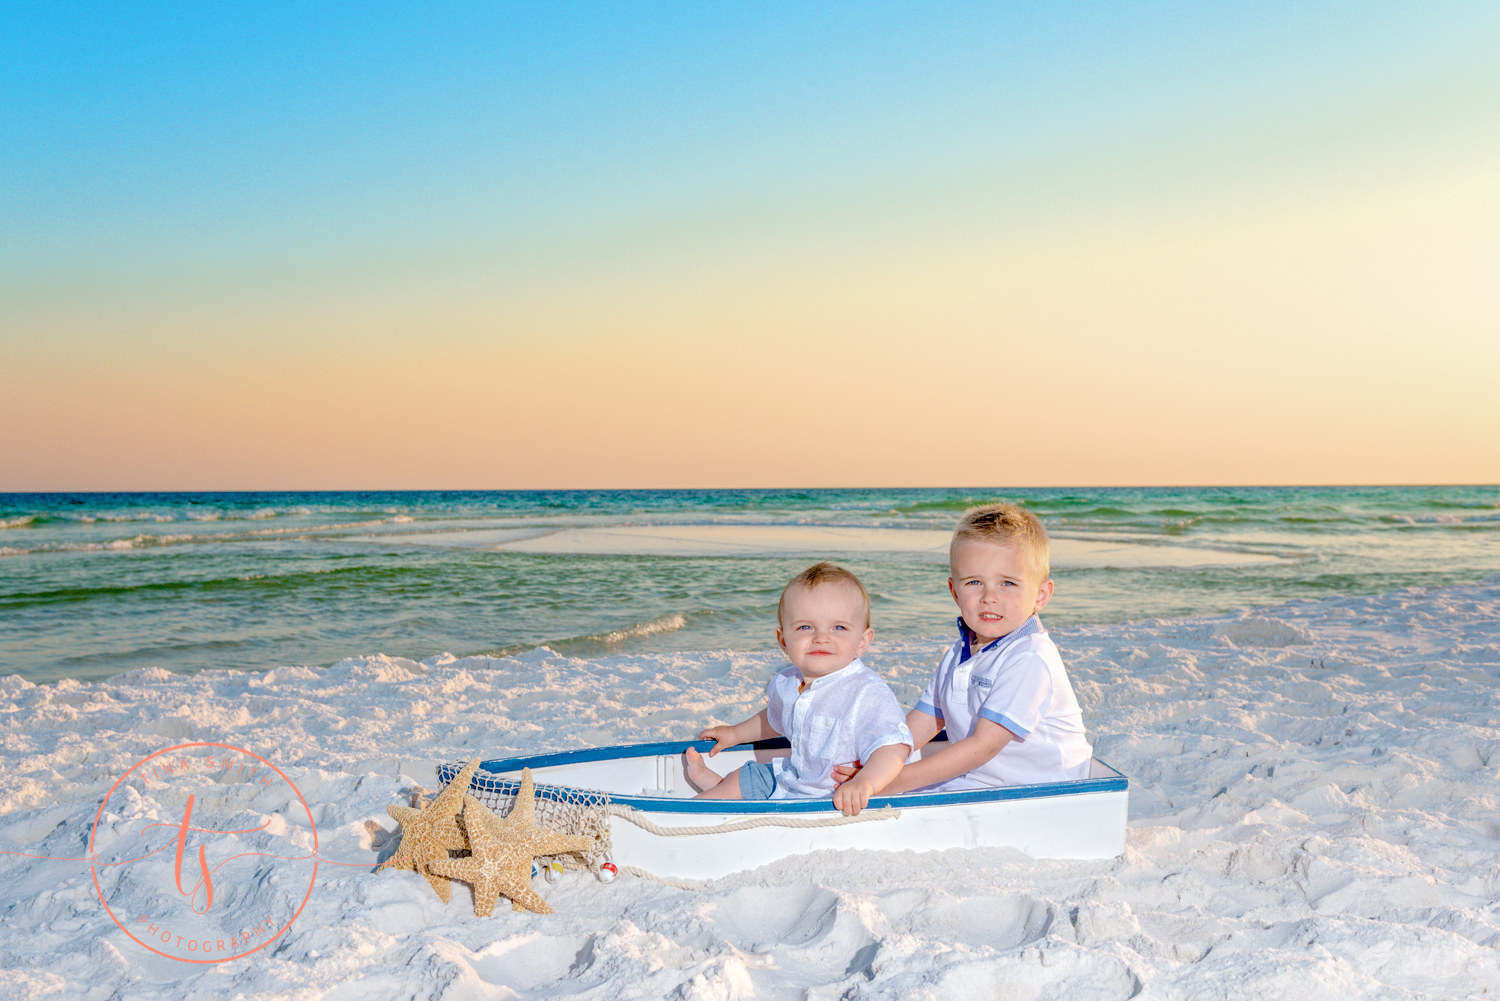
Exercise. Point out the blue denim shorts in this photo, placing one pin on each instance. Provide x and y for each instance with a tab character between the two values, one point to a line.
757	781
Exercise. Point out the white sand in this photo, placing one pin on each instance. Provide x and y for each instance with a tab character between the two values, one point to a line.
1313	799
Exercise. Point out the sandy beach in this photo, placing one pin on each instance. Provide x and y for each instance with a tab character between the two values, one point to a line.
1313	809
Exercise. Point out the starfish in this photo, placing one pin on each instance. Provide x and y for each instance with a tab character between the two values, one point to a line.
427	834
503	850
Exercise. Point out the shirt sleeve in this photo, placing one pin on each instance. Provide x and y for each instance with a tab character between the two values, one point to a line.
928	702
1021	695
776	705
881	720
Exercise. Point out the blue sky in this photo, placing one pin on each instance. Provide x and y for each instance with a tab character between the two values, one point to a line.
156	124
171	170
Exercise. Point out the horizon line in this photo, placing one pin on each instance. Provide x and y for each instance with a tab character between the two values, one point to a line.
558	490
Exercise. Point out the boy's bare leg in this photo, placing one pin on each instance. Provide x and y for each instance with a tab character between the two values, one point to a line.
728	788
702	777
711	784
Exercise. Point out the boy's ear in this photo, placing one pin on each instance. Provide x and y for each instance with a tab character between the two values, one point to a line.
780	639
953	590
864	641
1043	595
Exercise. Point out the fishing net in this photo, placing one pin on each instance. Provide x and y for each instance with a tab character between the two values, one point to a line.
561	808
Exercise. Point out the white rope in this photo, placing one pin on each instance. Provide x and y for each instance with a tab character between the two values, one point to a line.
643	821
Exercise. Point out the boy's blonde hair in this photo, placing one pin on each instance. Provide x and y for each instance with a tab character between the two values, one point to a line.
824	573
1007	525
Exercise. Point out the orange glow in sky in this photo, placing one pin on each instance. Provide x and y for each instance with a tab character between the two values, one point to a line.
1275	271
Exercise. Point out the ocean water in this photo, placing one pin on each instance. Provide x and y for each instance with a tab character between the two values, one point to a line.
95	584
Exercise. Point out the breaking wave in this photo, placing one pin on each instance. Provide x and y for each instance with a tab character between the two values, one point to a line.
665	624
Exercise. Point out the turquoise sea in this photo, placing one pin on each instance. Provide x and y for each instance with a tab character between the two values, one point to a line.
95	584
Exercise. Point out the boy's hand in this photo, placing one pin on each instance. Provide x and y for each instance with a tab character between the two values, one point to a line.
852	797
843	773
722	736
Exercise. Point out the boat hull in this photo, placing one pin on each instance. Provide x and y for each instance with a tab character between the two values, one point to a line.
1084	819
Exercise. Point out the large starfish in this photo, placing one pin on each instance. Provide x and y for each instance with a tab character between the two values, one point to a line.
427	834
502	851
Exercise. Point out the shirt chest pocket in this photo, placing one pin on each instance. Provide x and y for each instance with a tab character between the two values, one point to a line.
821	740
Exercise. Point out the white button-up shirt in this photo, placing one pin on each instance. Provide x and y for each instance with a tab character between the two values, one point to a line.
1019	682
837	719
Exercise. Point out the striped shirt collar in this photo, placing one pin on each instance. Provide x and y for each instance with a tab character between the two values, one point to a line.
1027	628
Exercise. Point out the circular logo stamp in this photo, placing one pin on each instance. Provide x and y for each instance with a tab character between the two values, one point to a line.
204	852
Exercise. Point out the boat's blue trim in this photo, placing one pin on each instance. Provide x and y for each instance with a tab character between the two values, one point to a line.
668	804
619	751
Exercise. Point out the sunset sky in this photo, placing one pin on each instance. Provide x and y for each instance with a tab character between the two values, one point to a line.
263	246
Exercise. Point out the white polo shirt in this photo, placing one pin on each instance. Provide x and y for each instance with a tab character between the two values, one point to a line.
837	719
1019	682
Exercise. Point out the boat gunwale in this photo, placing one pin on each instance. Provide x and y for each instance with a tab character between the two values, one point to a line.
669	804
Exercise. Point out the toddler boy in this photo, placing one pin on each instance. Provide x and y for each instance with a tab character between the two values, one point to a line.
833	708
1001	690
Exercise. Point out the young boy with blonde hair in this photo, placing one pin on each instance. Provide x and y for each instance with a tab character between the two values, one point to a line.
1001	690
832	708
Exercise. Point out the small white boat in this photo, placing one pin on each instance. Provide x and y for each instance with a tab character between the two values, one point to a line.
657	826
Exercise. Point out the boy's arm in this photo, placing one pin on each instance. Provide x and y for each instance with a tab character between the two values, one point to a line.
923	727
955	759
757	727
884	765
